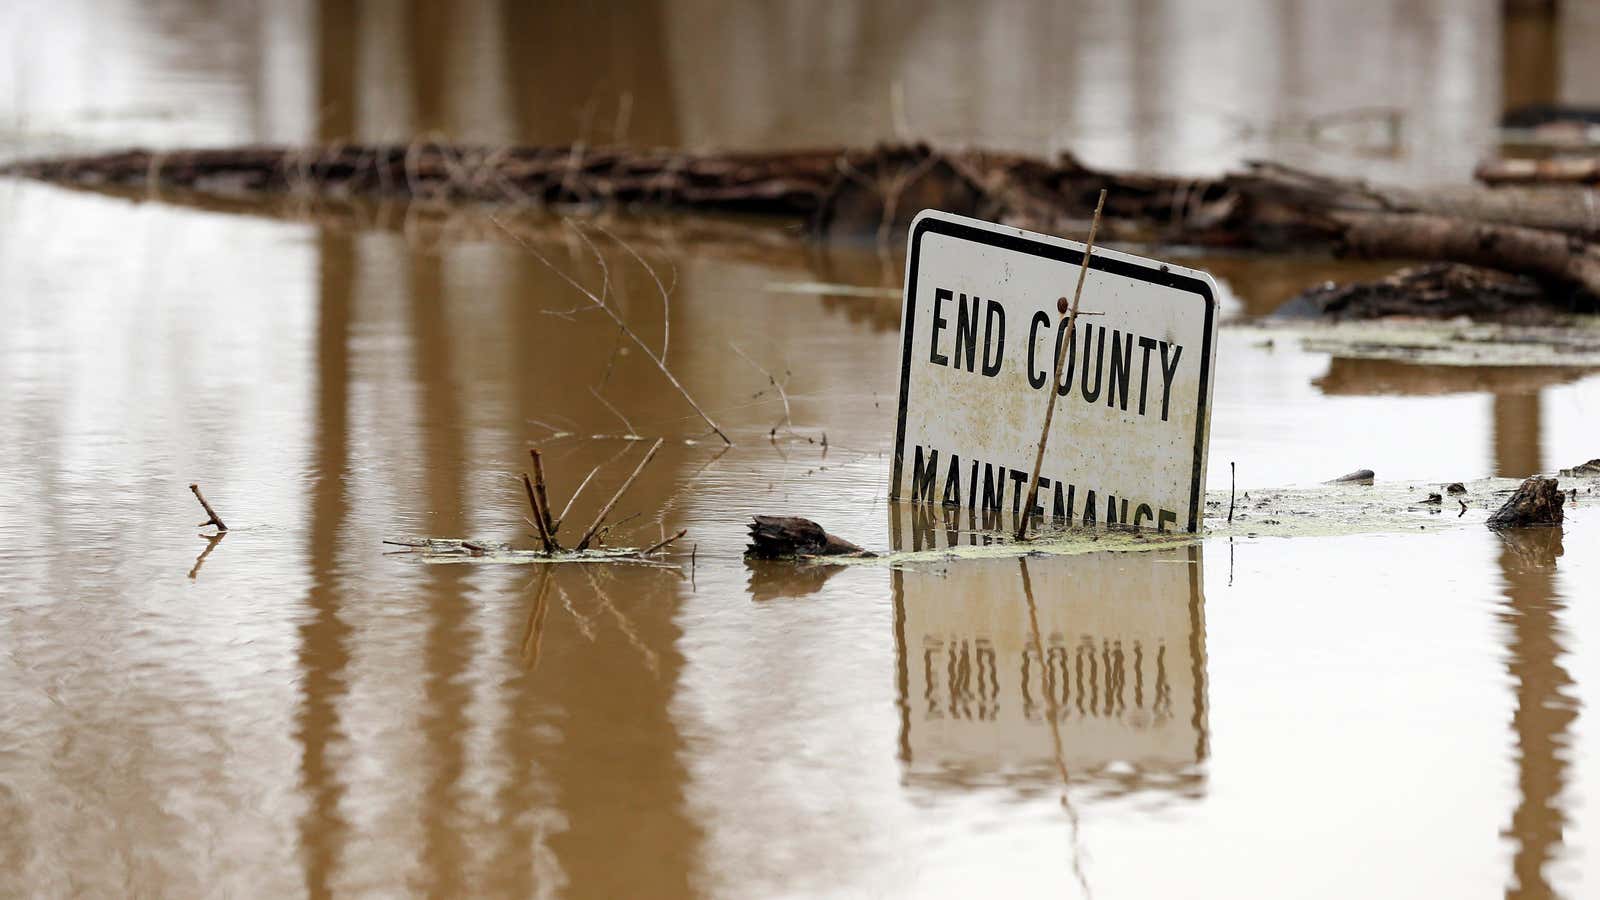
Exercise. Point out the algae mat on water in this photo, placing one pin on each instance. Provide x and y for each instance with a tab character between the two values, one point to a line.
933	534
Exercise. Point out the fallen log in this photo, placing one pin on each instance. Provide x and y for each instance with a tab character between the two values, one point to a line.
1546	255
838	191
1313	200
875	192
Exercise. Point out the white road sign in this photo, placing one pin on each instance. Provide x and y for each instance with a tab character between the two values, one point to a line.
978	337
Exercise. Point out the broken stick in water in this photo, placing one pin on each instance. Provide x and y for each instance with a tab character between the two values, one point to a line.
1071	320
1233	484
661	544
550	525
214	518
540	517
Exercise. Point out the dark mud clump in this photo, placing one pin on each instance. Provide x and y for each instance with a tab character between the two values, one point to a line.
1537	501
1440	291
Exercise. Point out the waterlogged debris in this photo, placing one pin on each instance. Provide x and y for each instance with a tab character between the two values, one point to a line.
1359	476
926	533
1592	467
1435	291
1572	347
546	527
453	550
780	537
211	515
1536	502
1457	487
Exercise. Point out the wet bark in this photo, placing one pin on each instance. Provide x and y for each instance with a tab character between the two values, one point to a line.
1545	255
1537	501
778	537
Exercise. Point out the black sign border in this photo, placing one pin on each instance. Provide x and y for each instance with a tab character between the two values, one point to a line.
1152	273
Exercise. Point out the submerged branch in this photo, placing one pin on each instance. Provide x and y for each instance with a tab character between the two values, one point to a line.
211	515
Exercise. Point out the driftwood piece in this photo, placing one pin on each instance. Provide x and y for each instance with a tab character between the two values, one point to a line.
1537	501
1560	170
778	537
1297	199
1543	254
1433	291
838	190
1359	476
1548	235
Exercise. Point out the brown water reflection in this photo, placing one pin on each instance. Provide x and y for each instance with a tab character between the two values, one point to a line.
468	730
288	712
1545	706
1089	668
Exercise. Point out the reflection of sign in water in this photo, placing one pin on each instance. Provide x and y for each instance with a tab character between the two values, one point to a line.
979	338
1119	664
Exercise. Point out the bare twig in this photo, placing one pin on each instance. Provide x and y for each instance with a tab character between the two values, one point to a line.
550	525
539	517
213	518
1233	483
666	295
611	360
788	420
660	545
606	510
599	303
1069	320
585	483
631	431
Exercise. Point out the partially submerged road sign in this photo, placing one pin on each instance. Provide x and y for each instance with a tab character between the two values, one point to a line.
978	337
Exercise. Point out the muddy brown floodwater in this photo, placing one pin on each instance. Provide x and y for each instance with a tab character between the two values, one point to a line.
287	711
